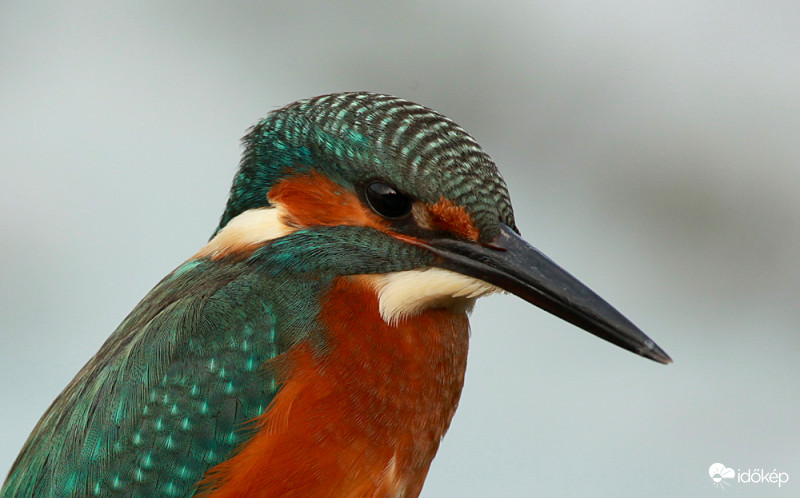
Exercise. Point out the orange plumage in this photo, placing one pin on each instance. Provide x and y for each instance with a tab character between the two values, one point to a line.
315	200
373	383
364	415
452	218
359	230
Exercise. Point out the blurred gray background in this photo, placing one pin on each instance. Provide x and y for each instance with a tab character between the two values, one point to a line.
651	148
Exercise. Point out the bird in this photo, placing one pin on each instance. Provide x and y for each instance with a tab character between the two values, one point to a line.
316	345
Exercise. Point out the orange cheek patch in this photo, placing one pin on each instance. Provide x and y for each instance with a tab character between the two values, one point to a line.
447	216
314	200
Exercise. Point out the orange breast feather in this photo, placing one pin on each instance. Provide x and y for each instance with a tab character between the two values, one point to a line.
361	417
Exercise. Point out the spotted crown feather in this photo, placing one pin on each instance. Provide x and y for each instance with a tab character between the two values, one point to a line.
355	135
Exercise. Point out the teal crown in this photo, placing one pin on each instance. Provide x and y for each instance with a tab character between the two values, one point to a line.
357	137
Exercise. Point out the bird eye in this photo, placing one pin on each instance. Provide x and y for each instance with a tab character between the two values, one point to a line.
387	201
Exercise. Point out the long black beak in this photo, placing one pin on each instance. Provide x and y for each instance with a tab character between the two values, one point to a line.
514	265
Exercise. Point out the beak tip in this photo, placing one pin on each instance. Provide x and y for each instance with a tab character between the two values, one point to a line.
651	350
517	267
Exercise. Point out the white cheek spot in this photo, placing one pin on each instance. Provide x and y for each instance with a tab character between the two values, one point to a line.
246	231
408	293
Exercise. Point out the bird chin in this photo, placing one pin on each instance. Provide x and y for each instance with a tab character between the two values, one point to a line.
408	293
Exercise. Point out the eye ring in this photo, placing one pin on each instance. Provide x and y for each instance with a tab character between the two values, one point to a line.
387	201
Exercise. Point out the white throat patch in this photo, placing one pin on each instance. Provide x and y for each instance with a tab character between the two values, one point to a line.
407	293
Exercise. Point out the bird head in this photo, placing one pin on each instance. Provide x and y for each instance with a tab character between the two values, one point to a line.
375	186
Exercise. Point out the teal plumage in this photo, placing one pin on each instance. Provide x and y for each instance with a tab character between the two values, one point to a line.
358	136
174	390
164	398
168	395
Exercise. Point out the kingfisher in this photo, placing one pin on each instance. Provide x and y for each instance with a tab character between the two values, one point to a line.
317	344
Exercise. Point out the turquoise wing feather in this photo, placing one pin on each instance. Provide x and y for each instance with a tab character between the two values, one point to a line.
169	394
166	398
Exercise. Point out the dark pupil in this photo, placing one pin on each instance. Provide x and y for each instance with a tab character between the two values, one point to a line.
386	201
